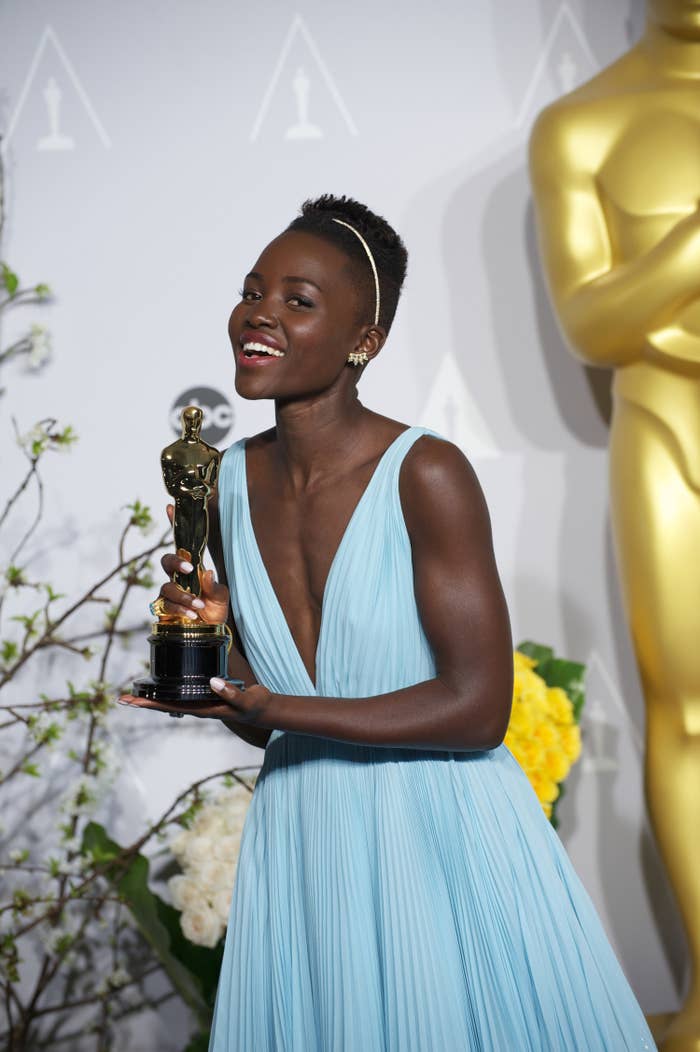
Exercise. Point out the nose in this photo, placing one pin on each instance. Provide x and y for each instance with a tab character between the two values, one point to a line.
260	314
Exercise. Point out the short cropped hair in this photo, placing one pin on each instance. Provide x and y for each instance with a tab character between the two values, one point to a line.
389	251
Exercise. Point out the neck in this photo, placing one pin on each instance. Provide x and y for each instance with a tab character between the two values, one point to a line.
673	50
318	433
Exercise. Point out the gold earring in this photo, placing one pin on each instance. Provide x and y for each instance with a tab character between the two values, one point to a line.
358	358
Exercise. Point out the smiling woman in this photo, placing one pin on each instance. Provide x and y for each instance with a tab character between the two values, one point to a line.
399	887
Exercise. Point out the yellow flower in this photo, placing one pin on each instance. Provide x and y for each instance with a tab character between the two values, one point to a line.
529	754
522	723
570	738
534	692
547	790
547	734
559	705
522	661
556	765
542	734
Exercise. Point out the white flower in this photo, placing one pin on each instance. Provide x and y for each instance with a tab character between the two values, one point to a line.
226	848
198	849
178	845
184	892
208	853
221	903
202	926
17	855
39	346
212	875
34	441
208	822
119	977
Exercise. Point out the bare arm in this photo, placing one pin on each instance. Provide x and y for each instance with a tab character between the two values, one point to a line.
609	308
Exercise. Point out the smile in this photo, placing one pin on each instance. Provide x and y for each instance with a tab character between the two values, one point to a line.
253	350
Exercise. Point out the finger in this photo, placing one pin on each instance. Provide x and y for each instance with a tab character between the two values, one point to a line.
227	692
172	563
214	711
170	512
178	600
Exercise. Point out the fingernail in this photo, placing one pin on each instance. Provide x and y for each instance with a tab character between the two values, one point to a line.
217	684
120	702
191	614
186	567
198	603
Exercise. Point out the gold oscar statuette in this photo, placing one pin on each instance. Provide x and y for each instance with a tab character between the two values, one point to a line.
186	653
615	171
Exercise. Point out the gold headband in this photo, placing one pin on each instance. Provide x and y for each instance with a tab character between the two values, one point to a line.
373	265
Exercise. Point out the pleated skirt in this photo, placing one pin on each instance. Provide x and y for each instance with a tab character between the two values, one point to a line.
392	900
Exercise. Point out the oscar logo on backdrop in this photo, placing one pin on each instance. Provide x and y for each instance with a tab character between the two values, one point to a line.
615	171
55	140
303	128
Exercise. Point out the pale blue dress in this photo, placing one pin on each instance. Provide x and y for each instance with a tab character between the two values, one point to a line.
395	900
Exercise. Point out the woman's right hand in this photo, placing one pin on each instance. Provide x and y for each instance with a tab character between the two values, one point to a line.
211	606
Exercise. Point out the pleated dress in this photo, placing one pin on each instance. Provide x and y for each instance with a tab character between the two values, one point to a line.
395	899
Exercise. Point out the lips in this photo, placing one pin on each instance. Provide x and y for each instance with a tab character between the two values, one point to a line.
252	336
258	349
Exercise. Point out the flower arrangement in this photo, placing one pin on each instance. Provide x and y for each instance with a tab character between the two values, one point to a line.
544	734
207	852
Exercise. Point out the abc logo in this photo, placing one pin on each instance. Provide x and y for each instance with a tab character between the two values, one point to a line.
217	412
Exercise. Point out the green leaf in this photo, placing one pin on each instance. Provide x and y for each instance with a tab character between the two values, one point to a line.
152	916
140	515
570	676
9	279
15	576
536	651
42	290
32	769
198	1043
8	651
559	672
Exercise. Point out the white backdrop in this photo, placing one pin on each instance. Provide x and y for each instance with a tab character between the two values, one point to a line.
153	148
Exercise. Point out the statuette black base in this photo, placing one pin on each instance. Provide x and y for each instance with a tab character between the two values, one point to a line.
183	660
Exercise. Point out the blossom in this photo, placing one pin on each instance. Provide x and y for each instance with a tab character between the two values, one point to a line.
208	854
202	926
571	742
185	892
542	733
39	346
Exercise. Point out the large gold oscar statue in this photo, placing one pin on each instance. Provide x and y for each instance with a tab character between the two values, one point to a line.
615	170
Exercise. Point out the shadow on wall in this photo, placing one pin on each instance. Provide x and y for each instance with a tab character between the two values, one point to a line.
538	396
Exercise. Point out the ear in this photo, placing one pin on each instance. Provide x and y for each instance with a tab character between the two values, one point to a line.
371	341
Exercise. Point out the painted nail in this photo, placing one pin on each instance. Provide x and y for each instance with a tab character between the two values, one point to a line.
186	567
216	683
198	603
121	702
192	614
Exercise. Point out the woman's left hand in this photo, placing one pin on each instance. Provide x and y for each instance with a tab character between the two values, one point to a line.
243	706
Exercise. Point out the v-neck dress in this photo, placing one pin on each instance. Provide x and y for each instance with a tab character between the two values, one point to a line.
394	899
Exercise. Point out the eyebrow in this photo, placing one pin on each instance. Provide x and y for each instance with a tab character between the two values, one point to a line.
289	278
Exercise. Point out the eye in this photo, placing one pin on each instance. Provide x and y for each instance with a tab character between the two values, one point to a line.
299	301
248	295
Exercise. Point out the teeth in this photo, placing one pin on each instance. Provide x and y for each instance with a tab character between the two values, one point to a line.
262	348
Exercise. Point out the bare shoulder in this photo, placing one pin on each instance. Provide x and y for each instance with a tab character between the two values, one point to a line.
440	489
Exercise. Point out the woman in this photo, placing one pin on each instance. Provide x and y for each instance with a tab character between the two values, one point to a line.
399	887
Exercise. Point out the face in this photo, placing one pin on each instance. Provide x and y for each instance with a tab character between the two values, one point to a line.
297	320
677	16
